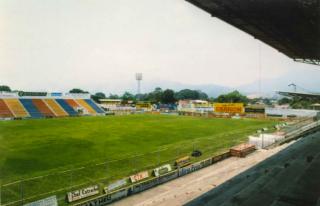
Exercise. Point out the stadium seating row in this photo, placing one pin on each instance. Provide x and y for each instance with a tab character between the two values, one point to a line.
38	108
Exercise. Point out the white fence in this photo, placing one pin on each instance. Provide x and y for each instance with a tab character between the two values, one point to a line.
291	112
265	140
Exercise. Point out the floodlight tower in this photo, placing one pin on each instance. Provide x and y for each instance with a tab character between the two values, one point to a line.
139	79
294	86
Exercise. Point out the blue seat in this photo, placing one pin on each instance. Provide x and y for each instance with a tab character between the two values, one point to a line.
66	107
31	108
94	106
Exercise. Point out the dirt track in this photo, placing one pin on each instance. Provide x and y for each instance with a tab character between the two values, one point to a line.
184	189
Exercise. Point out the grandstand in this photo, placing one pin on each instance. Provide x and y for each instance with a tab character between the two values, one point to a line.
14	105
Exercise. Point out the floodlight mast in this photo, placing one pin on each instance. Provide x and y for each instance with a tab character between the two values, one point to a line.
139	79
294	86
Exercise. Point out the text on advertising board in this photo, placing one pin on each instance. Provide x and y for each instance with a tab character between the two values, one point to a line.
139	176
83	193
229	108
115	185
162	170
183	161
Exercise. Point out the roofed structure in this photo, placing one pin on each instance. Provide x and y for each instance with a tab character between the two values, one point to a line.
290	26
311	96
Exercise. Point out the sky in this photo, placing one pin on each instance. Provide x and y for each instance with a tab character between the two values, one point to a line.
99	45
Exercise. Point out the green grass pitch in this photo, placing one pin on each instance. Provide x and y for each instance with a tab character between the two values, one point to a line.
53	156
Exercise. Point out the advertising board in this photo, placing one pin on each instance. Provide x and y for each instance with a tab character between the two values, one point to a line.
49	201
229	108
143	105
56	94
183	161
21	93
162	170
83	193
251	109
153	182
139	176
115	185
189	169
220	157
106	199
206	162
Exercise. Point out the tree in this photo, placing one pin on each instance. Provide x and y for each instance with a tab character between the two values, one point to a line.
191	94
142	97
301	103
100	95
168	97
203	96
127	96
78	91
114	96
284	100
5	88
267	101
232	97
187	94
155	96
97	96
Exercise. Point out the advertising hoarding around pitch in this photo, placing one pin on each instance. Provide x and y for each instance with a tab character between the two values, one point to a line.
183	161
162	170
49	201
139	176
115	185
232	108
83	193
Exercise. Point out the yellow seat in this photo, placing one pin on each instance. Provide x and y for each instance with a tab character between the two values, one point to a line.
56	108
16	108
85	105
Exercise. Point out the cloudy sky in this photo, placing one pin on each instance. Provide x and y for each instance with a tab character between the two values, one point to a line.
98	45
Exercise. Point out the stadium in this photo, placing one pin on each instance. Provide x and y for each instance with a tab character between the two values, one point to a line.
63	143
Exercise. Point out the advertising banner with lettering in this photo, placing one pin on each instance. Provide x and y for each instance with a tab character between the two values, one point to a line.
232	108
139	176
115	185
83	193
162	170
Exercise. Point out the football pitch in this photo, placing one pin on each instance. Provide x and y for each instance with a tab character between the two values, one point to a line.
44	157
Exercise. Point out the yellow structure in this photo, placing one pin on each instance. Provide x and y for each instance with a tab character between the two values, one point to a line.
146	106
16	108
232	108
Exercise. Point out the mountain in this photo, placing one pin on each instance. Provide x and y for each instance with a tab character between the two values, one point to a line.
211	89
